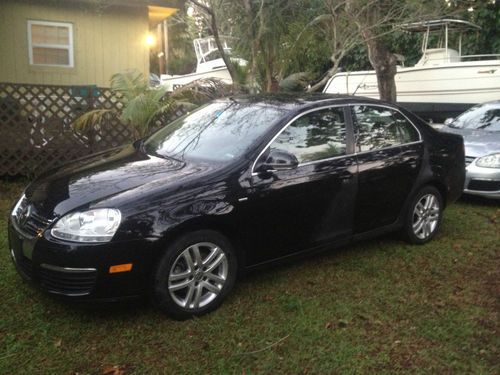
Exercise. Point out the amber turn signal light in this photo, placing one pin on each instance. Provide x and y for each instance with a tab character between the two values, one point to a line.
120	268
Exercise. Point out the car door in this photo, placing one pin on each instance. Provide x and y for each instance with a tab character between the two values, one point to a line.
311	204
389	153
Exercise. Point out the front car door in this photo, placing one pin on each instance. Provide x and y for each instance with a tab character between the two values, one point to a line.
389	153
297	209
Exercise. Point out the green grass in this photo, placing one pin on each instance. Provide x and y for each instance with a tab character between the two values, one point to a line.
380	306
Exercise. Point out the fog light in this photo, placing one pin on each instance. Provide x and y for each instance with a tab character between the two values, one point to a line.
120	268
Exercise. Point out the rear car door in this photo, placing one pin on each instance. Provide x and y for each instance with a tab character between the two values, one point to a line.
311	204
389	152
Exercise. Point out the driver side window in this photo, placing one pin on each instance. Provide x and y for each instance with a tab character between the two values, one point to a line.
315	136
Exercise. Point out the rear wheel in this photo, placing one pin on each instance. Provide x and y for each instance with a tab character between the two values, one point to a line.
195	275
424	215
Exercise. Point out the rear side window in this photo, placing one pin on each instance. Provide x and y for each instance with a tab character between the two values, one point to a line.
315	136
379	127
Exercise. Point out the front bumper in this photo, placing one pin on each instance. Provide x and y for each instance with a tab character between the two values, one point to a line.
483	182
80	272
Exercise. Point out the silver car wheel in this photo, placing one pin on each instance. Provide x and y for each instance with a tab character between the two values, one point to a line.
426	216
198	275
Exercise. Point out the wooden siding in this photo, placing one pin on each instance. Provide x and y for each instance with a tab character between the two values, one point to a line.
106	41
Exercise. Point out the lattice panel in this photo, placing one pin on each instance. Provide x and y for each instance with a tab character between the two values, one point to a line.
36	129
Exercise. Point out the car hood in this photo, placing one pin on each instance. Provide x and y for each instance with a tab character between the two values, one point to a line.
88	181
477	142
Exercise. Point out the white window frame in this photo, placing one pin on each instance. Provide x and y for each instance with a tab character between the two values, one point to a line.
68	47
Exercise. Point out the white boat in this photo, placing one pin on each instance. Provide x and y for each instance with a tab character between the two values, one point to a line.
443	83
209	64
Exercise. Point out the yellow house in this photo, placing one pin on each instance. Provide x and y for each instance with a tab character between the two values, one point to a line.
76	42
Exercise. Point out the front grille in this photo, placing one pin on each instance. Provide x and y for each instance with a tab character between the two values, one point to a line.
468	160
34	223
28	220
75	282
484	185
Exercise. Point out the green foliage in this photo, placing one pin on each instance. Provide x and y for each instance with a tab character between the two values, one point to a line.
308	50
356	59
304	53
129	84
295	82
241	73
266	36
91	119
181	55
140	110
407	45
486	15
141	104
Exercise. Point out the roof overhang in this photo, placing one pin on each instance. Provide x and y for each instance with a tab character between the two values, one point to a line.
176	4
157	14
158	10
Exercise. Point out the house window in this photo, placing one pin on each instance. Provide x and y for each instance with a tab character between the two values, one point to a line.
50	43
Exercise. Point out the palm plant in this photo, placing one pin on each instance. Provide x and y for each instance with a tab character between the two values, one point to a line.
142	104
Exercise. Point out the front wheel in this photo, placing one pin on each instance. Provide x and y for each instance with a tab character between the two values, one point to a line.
195	275
424	215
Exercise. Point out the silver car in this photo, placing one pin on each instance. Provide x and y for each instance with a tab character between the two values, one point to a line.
480	128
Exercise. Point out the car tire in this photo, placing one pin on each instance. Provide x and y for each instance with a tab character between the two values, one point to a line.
424	216
195	274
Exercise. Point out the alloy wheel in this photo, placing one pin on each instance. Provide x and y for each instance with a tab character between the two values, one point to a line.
198	275
426	216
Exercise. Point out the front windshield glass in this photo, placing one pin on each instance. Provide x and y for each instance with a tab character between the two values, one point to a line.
220	131
483	117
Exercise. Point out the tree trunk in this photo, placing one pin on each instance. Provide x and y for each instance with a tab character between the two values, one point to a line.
254	45
384	63
271	82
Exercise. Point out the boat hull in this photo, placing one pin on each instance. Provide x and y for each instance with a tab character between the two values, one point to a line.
437	91
173	82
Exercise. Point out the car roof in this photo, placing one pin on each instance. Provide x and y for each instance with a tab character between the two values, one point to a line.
496	102
300	101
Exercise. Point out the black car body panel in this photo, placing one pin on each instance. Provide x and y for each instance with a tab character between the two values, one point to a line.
267	215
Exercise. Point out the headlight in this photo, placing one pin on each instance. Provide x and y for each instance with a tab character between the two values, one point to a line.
97	225
17	208
489	161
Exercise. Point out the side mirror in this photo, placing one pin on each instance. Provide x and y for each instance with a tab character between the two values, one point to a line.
278	160
448	121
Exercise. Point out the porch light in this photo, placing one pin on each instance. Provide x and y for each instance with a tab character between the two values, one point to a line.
150	40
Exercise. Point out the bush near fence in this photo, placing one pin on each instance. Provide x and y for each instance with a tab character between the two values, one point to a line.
36	131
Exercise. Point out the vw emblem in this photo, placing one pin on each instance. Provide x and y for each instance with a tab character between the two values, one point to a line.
24	215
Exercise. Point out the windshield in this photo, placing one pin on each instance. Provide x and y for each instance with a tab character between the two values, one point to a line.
483	117
220	131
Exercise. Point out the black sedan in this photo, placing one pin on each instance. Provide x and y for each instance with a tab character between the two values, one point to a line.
236	184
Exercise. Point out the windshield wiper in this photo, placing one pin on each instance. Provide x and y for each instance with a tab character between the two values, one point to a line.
141	146
163	156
